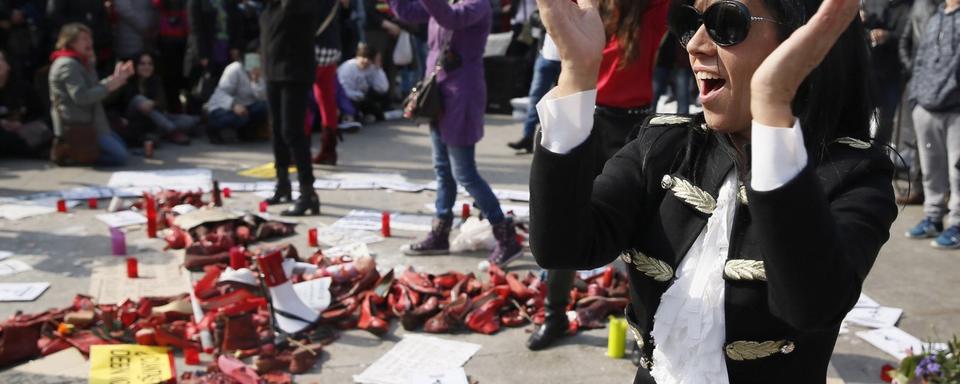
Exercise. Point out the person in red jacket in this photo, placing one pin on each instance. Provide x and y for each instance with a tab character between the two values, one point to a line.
634	30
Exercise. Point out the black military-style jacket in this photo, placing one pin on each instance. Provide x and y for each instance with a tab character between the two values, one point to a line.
798	254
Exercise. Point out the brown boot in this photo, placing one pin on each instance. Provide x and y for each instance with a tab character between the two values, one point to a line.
328	149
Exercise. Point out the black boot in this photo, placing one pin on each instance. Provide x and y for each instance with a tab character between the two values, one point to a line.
281	194
555	325
554	328
525	144
308	203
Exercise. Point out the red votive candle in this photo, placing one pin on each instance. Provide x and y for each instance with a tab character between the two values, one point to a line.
191	356
151	216
465	214
92	203
227	192
312	237
385	224
62	206
132	271
238	258
263	207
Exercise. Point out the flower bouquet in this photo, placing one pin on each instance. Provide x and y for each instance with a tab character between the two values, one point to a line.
941	367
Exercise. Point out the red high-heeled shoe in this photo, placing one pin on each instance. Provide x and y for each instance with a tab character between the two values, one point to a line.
517	289
415	318
369	321
485	317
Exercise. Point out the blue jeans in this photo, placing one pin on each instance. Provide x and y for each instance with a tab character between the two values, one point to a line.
113	152
220	119
463	171
681	78
545	75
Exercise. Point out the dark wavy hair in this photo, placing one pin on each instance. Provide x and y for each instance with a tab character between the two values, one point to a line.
622	19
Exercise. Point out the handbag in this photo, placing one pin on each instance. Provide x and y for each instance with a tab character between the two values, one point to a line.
78	143
425	103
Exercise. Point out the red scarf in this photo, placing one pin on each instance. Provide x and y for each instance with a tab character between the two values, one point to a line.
67	52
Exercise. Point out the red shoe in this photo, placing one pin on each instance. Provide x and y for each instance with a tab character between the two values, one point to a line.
517	289
305	357
369	320
418	282
592	311
415	318
485	319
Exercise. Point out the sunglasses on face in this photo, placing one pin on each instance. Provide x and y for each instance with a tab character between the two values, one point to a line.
727	21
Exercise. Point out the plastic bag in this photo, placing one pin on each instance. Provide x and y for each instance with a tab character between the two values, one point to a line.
475	235
403	53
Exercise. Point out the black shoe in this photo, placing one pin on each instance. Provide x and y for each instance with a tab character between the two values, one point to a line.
306	204
281	194
525	144
214	136
548	333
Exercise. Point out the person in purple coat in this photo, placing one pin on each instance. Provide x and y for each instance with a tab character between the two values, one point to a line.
465	24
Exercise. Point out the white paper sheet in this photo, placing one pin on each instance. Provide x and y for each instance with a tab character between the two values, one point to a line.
372	177
896	342
407	222
335	236
314	293
22	291
184	178
23	211
12	267
415	355
354	251
5	254
122	219
357	184
401	186
326	184
877	317
866	302
360	220
84	193
239	187
506	194
445	376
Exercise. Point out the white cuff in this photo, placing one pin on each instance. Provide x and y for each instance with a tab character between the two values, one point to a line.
778	155
566	121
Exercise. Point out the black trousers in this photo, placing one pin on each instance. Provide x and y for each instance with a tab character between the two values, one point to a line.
288	111
615	127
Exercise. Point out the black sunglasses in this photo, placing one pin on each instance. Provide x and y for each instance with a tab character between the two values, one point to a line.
727	21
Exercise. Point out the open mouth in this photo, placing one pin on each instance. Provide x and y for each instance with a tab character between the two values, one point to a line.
710	84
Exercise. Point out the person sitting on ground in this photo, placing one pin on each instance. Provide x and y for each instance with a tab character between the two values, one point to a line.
76	95
23	131
145	102
239	101
365	81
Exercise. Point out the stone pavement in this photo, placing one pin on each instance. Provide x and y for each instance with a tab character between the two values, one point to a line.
67	249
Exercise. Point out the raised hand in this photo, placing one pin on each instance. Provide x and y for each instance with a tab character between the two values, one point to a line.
577	30
777	79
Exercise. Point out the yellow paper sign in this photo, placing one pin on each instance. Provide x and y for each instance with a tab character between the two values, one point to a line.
130	364
266	171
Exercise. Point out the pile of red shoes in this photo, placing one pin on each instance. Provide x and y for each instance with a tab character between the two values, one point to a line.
454	301
210	243
165	202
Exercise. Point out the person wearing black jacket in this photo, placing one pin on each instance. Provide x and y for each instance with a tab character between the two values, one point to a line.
747	231
287	29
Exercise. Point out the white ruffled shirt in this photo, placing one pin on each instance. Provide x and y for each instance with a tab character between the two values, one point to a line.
689	326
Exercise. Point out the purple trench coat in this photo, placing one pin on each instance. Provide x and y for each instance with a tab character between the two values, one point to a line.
464	89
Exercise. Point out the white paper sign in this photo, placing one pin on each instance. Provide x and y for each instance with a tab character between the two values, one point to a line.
5	254
22	291
866	302
446	376
401	186
122	219
506	194
415	355
185	179
325	184
896	342
335	236
315	293
11	267
878	317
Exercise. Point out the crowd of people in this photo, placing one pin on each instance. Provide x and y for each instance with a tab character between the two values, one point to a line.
192	69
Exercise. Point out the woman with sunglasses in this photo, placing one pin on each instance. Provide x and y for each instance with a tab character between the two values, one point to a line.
748	231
